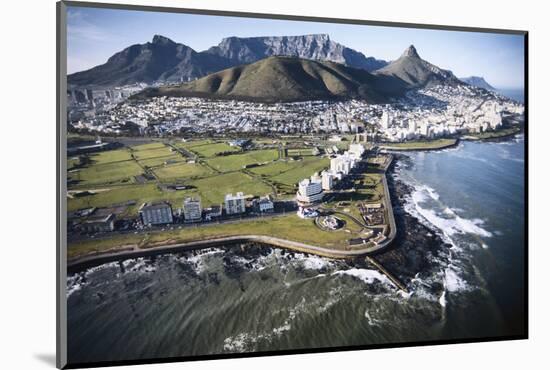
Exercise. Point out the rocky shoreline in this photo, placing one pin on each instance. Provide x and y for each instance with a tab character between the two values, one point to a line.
415	245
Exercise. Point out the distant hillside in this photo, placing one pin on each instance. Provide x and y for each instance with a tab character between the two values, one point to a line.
159	60
478	81
316	47
284	79
416	72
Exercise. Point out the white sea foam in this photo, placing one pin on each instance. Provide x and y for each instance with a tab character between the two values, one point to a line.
198	260
245	341
452	281
74	283
371	321
448	221
315	262
442	300
94	269
365	275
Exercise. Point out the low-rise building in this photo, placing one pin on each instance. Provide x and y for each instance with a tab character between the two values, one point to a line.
98	224
263	205
212	212
235	204
156	213
192	209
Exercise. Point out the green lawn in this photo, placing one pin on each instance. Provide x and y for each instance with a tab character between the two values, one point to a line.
180	171
212	189
420	144
496	134
153	153
211	149
149	146
299	152
159	161
192	144
108	173
288	227
110	156
122	194
237	161
299	170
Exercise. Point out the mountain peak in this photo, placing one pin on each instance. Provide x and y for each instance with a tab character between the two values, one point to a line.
410	52
477	81
159	39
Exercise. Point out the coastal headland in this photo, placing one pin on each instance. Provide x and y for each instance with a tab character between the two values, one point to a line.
284	230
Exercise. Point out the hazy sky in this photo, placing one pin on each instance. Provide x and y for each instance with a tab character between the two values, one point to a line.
96	34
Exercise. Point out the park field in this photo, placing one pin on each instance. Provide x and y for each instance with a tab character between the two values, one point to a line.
211	190
106	173
287	227
236	162
161	161
490	135
181	171
420	144
110	156
211	149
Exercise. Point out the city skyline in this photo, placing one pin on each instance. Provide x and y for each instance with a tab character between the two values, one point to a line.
96	34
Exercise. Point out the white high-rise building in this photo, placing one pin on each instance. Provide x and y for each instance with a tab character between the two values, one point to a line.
327	180
356	150
235	204
385	121
309	191
425	129
412	126
342	163
192	209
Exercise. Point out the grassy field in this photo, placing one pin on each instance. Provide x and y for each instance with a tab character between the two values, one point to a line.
110	156
123	194
180	171
286	227
495	134
191	144
299	152
211	149
420	145
149	146
152	153
108	173
301	169
212	190
159	161
238	161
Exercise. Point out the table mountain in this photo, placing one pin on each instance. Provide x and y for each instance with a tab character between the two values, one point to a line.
317	47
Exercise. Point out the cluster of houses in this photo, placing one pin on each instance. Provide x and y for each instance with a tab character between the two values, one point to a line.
312	190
